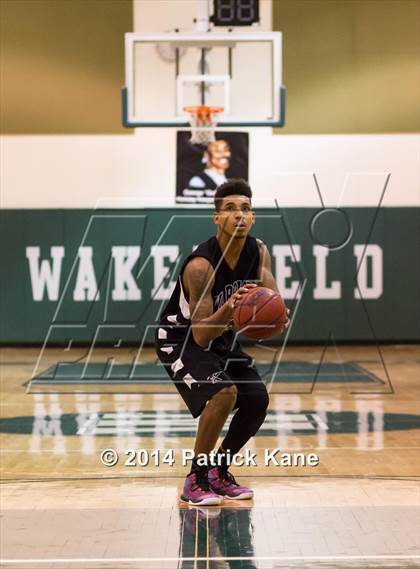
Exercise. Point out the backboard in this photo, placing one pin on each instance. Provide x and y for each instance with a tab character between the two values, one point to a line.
166	72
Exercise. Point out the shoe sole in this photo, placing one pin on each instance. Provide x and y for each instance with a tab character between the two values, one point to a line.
216	501
244	496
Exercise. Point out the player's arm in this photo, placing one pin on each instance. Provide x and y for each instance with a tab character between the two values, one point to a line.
265	274
198	279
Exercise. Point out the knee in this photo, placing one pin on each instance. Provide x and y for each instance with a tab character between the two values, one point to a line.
265	399
257	403
261	401
257	410
226	397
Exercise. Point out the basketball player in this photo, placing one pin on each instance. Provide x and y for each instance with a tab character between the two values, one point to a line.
196	343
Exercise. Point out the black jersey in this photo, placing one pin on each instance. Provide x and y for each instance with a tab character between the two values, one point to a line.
176	316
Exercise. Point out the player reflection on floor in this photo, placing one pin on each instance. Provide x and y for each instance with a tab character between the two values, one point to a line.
225	533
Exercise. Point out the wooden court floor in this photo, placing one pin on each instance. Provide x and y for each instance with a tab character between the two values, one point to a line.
359	507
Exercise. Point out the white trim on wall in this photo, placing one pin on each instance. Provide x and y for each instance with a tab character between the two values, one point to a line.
139	171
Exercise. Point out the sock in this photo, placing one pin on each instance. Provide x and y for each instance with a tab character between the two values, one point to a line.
223	458
197	468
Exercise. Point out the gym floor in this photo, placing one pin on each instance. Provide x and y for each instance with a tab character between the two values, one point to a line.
62	507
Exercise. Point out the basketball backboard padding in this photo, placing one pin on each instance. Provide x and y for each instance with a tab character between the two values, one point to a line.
238	71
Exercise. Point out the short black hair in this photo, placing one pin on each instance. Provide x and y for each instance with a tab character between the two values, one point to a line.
232	186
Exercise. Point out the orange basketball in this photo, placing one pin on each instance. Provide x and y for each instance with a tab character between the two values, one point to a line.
260	314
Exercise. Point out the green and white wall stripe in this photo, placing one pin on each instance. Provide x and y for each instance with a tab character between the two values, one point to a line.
75	270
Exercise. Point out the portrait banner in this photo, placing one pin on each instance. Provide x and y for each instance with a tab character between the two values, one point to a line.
200	169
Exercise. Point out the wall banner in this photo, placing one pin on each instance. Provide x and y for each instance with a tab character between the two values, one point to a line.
80	274
200	169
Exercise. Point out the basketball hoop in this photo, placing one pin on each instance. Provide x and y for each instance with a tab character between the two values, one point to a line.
203	122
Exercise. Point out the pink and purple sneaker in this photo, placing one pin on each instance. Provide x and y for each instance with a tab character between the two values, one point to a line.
223	483
197	491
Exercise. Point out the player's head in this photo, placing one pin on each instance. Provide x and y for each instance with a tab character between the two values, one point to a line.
217	156
234	214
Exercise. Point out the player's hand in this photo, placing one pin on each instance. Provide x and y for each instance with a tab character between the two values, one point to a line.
287	323
235	298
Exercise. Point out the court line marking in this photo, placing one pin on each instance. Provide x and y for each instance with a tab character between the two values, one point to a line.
283	448
383	344
207	539
236	558
379	477
196	541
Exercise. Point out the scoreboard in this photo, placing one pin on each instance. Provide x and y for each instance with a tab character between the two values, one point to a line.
235	12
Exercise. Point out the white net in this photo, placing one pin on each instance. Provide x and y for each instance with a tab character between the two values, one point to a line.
203	122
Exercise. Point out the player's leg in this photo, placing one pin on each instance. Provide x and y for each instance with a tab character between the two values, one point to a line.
252	403
208	391
211	422
212	419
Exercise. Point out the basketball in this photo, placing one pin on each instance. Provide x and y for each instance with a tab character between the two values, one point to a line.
260	314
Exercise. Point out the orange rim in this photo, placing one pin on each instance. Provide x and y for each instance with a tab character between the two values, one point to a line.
203	110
